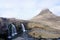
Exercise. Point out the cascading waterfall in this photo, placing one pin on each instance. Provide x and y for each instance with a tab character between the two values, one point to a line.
24	34
23	28
14	31
11	31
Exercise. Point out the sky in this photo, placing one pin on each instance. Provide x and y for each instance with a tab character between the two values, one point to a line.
26	9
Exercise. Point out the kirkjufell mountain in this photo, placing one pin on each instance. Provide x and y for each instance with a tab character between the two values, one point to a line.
44	14
48	18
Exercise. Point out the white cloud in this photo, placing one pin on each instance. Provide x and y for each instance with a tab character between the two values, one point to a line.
26	9
56	10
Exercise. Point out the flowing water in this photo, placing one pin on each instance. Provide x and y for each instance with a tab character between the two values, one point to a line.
14	31
23	28
25	33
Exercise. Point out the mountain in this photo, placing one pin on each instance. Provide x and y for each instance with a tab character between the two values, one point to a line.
44	14
48	18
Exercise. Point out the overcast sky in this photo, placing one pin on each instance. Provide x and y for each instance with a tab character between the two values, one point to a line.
26	9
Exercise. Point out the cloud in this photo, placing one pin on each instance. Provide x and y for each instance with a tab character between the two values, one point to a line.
56	10
26	9
53	5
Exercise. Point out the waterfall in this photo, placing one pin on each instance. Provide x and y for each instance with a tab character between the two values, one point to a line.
23	28
14	31
11	31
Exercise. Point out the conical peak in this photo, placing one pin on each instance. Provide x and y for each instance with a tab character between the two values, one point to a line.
45	11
